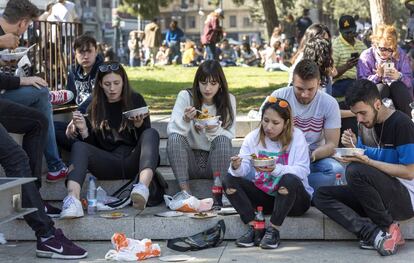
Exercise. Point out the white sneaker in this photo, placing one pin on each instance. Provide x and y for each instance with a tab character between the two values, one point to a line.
72	208
139	196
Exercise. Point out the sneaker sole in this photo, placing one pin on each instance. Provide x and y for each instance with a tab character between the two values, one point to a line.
71	216
138	201
48	254
269	246
399	237
244	244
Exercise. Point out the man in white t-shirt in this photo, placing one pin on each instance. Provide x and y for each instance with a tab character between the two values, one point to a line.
317	115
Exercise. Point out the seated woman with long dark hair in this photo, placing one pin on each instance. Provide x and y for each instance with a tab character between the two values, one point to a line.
110	145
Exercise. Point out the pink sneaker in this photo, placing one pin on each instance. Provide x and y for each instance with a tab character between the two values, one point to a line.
57	176
60	97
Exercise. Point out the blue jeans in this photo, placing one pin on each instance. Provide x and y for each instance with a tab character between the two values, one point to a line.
211	51
323	172
39	99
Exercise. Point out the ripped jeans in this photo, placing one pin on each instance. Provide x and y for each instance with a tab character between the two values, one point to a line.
291	199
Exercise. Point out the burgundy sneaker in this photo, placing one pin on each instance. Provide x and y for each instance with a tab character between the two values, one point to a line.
60	97
59	247
53	177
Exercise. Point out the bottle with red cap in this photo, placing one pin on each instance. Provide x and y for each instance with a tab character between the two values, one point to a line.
259	226
338	180
217	191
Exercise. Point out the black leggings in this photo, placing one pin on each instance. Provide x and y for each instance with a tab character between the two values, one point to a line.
399	94
245	197
125	162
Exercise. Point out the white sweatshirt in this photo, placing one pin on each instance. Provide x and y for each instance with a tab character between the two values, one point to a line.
298	157
197	140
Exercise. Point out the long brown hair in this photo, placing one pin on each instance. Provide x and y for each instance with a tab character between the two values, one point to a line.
97	109
211	70
282	107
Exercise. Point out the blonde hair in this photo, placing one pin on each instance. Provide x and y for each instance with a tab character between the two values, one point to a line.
388	34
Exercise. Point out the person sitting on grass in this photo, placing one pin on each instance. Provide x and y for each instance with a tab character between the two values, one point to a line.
274	58
189	55
282	188
380	188
109	145
227	56
24	162
195	150
247	57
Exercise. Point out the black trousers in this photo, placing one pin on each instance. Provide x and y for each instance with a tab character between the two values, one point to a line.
372	200
247	197
125	162
399	94
25	163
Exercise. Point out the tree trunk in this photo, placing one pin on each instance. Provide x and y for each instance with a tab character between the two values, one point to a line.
380	12
270	14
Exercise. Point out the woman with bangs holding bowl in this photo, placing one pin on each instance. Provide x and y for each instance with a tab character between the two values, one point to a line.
388	66
202	125
270	171
111	145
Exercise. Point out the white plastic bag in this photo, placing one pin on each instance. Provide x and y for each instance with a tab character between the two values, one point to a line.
185	202
128	249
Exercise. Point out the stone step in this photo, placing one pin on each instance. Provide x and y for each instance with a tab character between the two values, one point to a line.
311	226
57	191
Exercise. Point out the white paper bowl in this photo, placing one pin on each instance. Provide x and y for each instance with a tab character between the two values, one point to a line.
135	112
258	163
18	53
344	152
213	121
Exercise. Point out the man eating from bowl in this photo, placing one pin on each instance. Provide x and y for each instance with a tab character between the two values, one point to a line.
380	183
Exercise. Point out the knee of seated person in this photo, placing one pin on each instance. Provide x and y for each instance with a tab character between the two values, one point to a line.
175	137
288	182
227	180
353	170
222	139
151	132
79	146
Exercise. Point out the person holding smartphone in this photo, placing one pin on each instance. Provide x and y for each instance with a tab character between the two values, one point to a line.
346	49
388	66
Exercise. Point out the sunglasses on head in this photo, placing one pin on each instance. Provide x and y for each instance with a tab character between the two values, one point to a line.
108	67
282	103
384	49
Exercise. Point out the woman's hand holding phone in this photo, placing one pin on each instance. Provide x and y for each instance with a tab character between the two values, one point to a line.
80	123
138	119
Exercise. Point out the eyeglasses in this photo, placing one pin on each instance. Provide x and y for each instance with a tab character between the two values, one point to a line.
282	103
384	49
108	67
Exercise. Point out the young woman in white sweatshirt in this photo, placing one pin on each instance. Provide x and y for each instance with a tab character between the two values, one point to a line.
282	189
196	152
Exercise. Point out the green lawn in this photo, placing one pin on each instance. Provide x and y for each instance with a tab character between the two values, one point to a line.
160	85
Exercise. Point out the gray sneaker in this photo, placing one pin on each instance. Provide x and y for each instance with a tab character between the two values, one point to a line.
139	196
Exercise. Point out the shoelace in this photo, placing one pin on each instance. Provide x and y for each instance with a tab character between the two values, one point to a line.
268	234
67	202
59	96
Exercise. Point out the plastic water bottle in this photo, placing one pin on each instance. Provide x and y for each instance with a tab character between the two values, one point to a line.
91	196
338	180
217	191
259	226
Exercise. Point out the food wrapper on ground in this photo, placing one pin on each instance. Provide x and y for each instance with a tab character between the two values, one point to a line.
184	202
128	249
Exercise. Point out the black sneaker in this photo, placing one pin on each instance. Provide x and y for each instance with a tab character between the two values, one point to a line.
59	247
271	239
246	240
366	245
52	211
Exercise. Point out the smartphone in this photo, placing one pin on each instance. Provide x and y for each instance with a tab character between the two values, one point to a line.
388	69
355	55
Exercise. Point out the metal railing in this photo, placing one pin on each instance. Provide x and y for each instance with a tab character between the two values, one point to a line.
53	54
